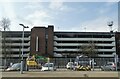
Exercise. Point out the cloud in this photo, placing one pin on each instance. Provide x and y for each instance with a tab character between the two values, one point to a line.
58	5
9	12
38	14
96	25
103	11
59	0
24	0
39	18
108	4
106	8
33	5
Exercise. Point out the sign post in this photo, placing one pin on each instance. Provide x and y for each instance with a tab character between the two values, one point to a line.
115	60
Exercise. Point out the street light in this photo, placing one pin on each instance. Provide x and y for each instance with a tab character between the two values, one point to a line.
21	69
110	24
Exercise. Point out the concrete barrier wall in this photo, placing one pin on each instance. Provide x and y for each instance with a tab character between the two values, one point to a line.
61	78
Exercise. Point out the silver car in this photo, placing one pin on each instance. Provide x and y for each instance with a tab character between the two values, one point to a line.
14	67
110	66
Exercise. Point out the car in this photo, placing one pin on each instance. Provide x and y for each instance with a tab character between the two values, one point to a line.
48	67
14	67
70	65
110	66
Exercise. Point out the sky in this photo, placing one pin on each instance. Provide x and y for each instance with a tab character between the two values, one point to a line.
80	16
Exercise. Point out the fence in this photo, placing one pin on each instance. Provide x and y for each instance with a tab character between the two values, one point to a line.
62	62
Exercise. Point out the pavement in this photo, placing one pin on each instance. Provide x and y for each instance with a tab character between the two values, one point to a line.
62	73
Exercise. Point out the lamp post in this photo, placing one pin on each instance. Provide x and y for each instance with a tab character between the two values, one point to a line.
110	24
21	69
115	57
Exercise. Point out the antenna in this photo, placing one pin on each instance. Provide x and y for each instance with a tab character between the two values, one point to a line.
110	24
58	28
0	29
85	29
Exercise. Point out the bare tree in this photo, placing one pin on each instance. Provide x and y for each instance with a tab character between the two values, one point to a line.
89	49
5	23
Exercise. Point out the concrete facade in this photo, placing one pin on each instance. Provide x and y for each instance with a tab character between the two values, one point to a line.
44	41
13	43
69	43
